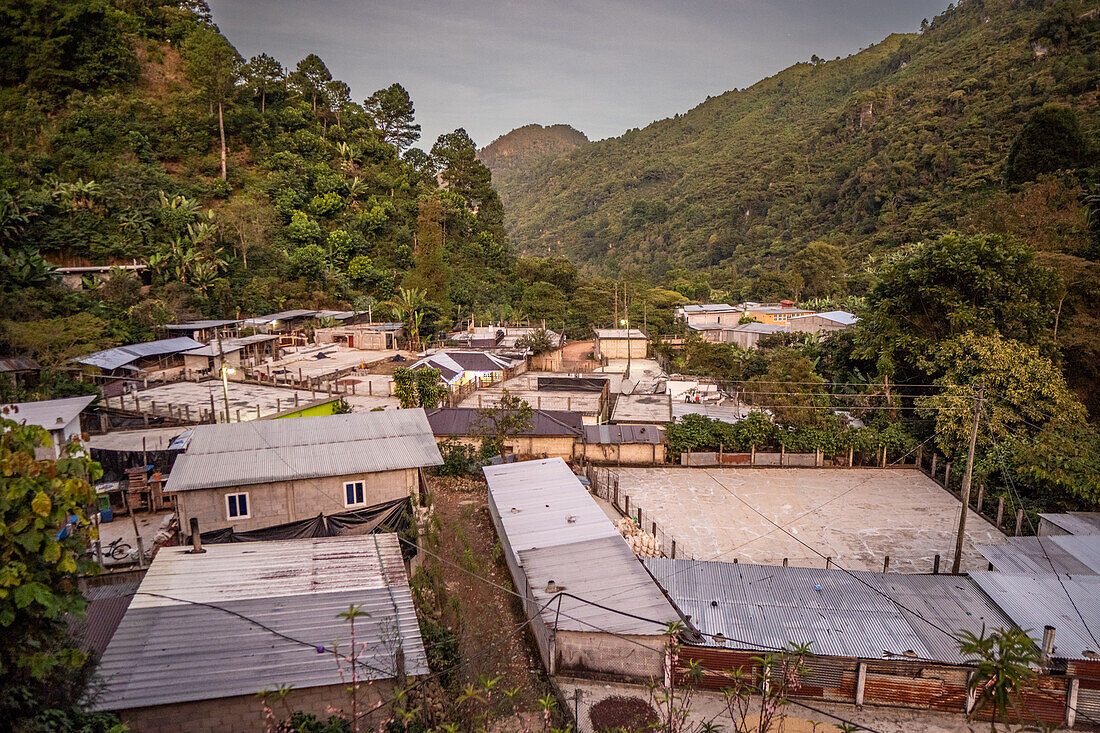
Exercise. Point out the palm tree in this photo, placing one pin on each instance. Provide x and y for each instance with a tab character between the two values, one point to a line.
409	304
1004	667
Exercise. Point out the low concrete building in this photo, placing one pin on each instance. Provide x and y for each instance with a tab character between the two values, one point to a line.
162	358
623	444
565	555
362	336
718	314
551	432
205	633
781	312
60	417
823	323
748	335
266	472
618	343
251	351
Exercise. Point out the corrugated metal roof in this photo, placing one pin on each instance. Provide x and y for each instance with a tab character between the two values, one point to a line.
623	434
48	414
228	346
605	571
18	364
1035	600
261	451
1084	548
1035	555
198	325
544	423
766	607
1075	522
123	355
543	504
166	651
107	605
754	327
280	316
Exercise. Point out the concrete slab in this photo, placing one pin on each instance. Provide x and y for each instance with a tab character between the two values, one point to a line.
642	408
856	516
336	357
251	400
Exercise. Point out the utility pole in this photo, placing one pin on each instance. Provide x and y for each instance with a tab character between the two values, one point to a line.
966	480
225	378
626	322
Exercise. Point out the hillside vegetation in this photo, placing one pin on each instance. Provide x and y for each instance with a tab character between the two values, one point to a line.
517	150
908	138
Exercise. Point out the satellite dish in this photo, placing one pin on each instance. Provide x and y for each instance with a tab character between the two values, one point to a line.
626	387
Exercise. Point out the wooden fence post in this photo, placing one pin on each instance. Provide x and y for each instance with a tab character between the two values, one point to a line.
932	473
1019	521
936	565
981	495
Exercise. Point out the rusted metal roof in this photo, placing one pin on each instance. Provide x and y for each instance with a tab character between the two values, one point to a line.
262	451
18	364
200	637
544	423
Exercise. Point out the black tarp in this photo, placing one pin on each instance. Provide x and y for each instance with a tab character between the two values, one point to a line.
391	516
572	384
115	462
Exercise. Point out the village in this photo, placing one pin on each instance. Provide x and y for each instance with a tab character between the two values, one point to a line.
506	503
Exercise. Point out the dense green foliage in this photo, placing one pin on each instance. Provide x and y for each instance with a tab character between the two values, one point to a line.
882	148
144	136
42	669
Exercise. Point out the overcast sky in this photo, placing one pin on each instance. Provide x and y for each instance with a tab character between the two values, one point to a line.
603	66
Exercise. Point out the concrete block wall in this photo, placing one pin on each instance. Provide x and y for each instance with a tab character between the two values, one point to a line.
244	713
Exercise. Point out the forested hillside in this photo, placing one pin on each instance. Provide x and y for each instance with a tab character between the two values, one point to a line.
135	132
916	135
517	150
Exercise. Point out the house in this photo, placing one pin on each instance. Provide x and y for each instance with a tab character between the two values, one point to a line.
205	632
550	432
153	358
462	367
823	323
60	417
773	313
266	472
617	343
718	314
74	277
365	336
623	444
204	330
556	540
251	351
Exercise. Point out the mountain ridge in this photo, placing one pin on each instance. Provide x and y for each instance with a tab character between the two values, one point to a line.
890	145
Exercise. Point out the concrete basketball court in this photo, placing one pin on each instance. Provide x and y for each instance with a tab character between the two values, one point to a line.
856	516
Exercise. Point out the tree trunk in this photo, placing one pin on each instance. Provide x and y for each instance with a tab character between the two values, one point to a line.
263	101
1058	315
221	131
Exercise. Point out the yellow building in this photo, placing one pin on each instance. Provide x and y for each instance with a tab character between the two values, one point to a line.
774	313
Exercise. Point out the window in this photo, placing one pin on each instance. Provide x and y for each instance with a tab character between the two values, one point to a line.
236	506
354	493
